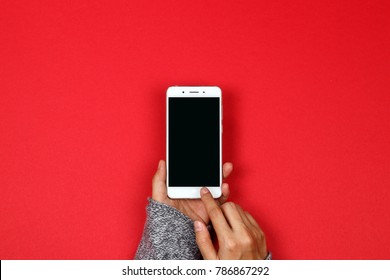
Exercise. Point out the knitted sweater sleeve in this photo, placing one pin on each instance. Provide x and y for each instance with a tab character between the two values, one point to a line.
168	235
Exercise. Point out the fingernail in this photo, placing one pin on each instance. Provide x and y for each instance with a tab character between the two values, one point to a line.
198	226
159	164
204	190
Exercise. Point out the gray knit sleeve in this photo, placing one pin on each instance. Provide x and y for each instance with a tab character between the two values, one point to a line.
168	235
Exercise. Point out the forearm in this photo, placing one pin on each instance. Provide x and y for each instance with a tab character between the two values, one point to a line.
168	235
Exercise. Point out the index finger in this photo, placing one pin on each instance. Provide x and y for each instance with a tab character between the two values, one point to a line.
215	213
227	168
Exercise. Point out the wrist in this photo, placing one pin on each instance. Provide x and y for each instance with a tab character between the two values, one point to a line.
268	257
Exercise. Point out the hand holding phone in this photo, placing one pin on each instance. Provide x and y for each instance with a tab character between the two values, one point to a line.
192	208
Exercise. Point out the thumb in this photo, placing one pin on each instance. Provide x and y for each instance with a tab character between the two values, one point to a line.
159	189
204	242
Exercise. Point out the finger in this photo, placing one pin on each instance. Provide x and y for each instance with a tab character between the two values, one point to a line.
225	193
227	169
244	217
252	220
159	187
204	242
251	225
260	237
215	213
232	215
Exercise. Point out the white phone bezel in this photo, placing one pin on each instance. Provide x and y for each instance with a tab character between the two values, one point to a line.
193	192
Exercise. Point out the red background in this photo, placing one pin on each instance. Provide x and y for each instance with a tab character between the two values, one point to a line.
306	120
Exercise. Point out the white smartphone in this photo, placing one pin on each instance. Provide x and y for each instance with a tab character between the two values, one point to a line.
194	141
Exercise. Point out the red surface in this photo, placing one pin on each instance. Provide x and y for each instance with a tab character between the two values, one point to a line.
306	120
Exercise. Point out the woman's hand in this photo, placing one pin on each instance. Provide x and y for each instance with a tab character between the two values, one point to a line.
193	208
239	236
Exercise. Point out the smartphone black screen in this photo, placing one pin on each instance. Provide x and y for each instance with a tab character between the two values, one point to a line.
194	139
